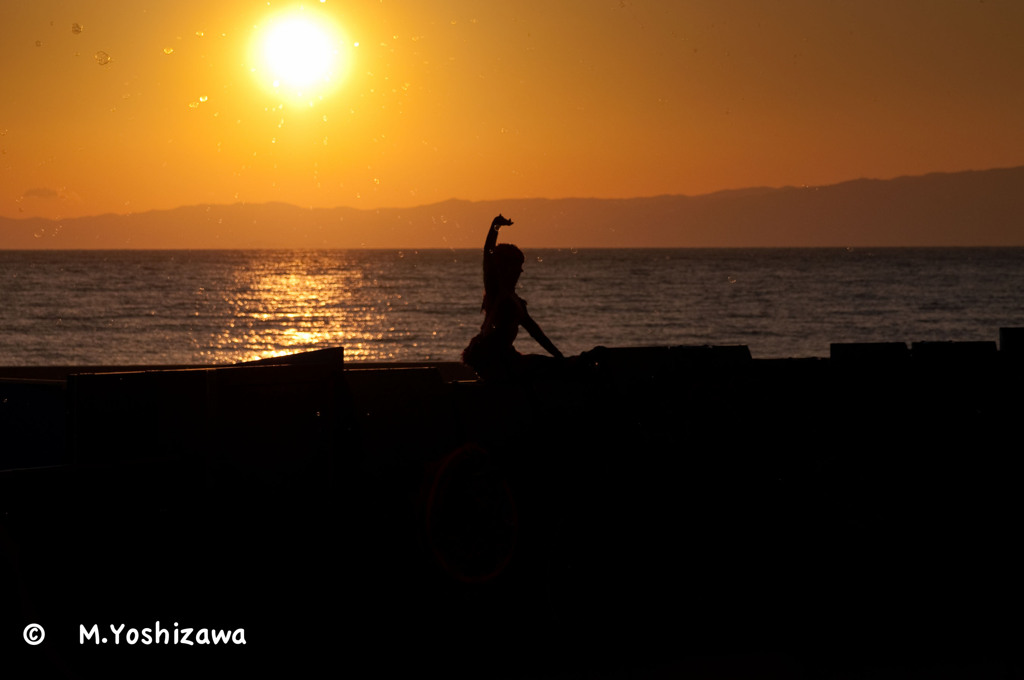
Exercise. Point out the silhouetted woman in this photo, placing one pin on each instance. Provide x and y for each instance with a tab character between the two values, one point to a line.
491	353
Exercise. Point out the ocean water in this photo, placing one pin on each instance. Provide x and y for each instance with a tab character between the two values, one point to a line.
186	307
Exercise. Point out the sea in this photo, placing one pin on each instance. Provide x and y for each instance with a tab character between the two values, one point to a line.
135	307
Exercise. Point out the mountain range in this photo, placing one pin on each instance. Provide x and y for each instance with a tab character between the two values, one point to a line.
972	208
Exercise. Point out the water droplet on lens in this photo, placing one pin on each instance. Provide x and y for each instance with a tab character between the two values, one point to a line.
102	58
76	28
168	50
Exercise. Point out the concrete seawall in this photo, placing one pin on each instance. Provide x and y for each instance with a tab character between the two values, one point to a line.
661	504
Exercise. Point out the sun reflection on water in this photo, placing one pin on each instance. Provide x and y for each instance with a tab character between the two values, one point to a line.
275	307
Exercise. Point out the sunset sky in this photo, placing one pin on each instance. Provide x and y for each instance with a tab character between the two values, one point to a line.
129	106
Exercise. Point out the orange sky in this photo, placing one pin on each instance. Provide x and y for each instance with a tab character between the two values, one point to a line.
485	100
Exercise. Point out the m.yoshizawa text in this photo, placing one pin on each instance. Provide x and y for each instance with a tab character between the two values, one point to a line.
160	635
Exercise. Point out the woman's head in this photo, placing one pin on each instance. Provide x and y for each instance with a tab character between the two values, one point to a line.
502	274
508	264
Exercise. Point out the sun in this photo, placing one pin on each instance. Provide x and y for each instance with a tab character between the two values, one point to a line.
299	54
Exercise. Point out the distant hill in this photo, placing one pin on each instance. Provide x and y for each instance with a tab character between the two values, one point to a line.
977	208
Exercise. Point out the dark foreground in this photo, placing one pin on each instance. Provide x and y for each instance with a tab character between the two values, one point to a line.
685	512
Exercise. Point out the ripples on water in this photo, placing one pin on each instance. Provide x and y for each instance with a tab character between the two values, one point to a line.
181	307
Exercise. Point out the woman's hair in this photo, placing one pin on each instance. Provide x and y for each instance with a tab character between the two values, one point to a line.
506	262
508	256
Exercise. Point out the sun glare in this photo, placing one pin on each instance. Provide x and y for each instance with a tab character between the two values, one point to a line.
298	54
